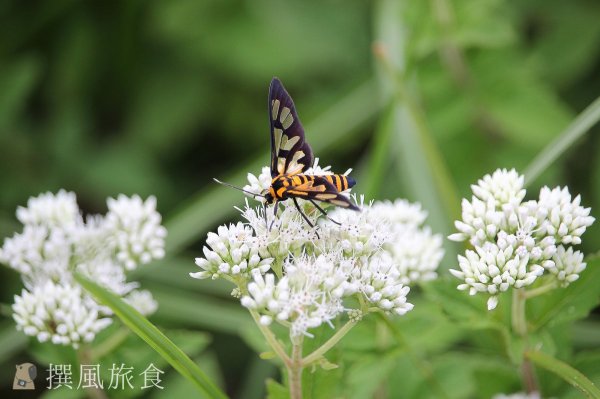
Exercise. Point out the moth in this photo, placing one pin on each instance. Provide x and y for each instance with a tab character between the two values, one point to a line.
291	156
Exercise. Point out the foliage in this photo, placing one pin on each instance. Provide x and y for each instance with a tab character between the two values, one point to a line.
421	98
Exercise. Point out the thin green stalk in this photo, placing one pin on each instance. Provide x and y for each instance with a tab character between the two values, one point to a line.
109	344
519	324
380	155
295	371
85	356
271	339
580	125
519	320
330	343
540	290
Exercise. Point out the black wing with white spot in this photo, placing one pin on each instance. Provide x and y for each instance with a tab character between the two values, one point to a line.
290	153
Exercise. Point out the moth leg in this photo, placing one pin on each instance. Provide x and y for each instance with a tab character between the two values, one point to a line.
323	211
275	209
304	216
265	214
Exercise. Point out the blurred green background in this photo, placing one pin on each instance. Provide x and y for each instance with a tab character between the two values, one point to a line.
158	97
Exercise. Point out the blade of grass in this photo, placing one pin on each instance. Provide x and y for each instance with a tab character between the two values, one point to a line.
379	158
212	206
580	125
566	372
153	337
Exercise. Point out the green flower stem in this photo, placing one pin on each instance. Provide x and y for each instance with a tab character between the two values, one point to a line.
540	290
422	365
331	342
271	339
85	356
519	325
519	319
295	371
109	344
578	127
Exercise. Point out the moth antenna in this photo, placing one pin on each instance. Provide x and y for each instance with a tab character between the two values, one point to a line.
238	188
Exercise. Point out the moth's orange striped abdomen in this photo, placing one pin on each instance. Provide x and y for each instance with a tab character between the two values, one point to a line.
341	182
307	186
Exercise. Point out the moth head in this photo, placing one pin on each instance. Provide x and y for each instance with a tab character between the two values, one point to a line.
269	195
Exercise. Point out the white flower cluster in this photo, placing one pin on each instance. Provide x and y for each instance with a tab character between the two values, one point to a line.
61	314
135	226
309	293
515	241
229	254
303	277
57	241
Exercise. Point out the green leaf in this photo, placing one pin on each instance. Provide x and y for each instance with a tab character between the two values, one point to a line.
153	337
564	371
133	352
255	340
173	275
11	340
587	362
365	377
458	304
327	365
427	327
321	384
267	355
482	24
47	352
570	303
560	59
242	44
257	372
580	125
17	80
585	334
276	391
187	308
176	386
526	109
